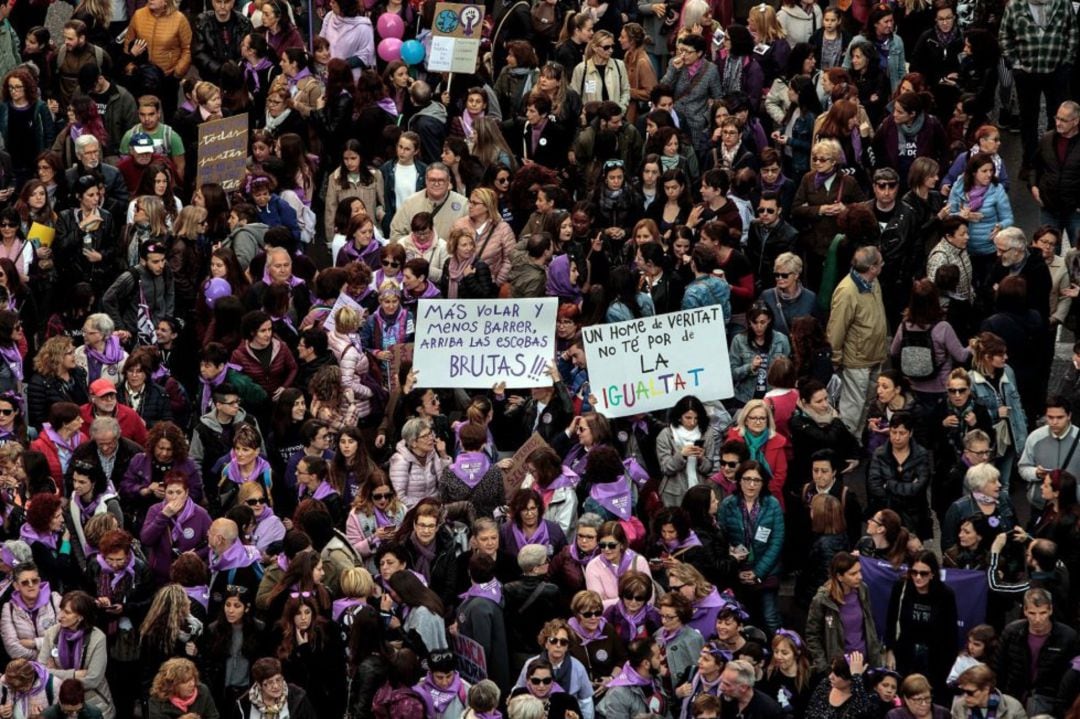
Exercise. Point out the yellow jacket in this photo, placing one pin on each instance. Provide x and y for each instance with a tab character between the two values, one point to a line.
168	39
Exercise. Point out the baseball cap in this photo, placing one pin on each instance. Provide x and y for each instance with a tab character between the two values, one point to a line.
102	387
141	142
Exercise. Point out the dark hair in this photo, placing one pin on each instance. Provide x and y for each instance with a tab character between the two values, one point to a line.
742	42
979	159
925	306
689	403
414	594
251	322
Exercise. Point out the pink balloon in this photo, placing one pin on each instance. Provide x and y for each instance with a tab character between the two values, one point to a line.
390	25
390	49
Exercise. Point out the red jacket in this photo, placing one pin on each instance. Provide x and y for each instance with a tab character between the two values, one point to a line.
282	369
132	425
45	445
776	456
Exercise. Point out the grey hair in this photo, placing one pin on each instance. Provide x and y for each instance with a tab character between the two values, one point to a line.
865	258
1014	236
413	429
745	674
103	425
20	550
1038	597
789	260
483	524
980	475
82	142
525	706
277	251
102	323
590	520
485	693
975	435
1072	107
437	166
531	556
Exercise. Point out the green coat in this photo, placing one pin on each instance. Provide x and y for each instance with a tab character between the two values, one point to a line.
825	632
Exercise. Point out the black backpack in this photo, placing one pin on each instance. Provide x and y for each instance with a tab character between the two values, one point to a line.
916	359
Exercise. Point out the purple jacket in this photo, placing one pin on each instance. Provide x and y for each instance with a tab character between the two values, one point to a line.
158	541
139	472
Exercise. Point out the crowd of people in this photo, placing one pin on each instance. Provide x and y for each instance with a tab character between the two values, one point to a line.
225	491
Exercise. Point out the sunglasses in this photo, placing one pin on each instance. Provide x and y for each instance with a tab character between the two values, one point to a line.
538	681
30	582
558	642
391	263
766	210
590	615
382	495
7	412
607	48
782	275
8	224
255	501
921	573
633	597
730	465
970	692
958	390
885	185
608	545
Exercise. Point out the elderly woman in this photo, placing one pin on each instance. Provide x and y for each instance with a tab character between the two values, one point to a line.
685	449
271	696
603	572
428	544
526	525
572	676
464	275
821	196
101	356
755	426
680	642
979	696
984	497
418	462
32	608
177	691
57	378
568	566
174	526
694	93
916	700
74	648
789	299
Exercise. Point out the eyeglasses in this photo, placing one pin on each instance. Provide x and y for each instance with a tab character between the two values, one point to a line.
981	452
437	180
229	402
766	210
753	480
885	184
428	527
391	263
782	275
538	681
590	615
634	597
757	418
875	520
32	582
377	496
668	617
558	642
255	501
969	692
15	87
607	48
958	390
608	545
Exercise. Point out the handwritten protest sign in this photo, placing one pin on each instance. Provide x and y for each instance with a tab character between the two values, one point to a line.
473	344
650	363
471	662
455	37
223	151
513	477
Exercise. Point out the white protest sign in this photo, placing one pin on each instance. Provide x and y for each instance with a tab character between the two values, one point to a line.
474	344
651	363
343	300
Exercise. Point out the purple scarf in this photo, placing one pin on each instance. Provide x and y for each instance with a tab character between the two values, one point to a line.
540	536
14	360
629	678
491	590
70	648
576	459
586	636
976	196
568	478
635	620
340	606
774	186
41	676
69	445
323	491
627	561
95	360
856	146
470	468
115	577
558	280
251	72
436	699
614	497
238	556
575	554
86	511
177	522
209	385
383	520
388	106
676	546
293	280
30	535
200	595
43	598
232	470
820	178
372	249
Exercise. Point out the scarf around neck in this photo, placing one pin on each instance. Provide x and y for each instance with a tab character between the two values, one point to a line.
237	556
69	646
614	497
470	468
44	593
235	474
95	360
490	590
14	360
585	636
115	577
437	699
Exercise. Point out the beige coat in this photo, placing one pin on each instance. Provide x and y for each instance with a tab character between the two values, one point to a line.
372	196
96	653
586	82
857	330
455	207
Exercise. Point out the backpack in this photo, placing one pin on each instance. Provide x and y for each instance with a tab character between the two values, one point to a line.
305	216
917	353
544	21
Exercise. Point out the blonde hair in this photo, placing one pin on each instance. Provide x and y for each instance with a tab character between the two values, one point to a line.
204	91
762	22
750	407
166	614
490	201
48	359
598	38
830	147
688	574
189	222
155	213
346	320
248	490
456	235
172	673
356	582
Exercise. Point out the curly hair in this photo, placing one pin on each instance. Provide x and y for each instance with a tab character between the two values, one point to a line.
30	85
115	541
168	431
51	355
173	673
43	507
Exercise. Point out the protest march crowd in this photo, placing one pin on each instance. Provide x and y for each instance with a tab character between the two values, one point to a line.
227	489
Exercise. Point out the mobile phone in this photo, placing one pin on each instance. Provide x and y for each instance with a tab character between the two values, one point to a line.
699	443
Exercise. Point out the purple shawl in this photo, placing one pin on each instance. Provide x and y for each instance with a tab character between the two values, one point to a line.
293	280
540	536
677	546
491	590
975	196
470	468
585	636
200	595
95	360
627	561
614	496
232	469
209	385
705	611
628	677
115	577
558	280
436	699
30	535
237	556
364	256
323	491
340	606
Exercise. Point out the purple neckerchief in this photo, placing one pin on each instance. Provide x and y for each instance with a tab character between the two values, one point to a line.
540	535
495	714
14	360
177	531
69	648
690	541
237	556
705	611
372	248
41	676
436	699
585	636
614	497
568	478
96	360
86	511
30	535
470	468
575	553
382	519
294	81
628	677
42	598
340	606
200	594
233	472
117	576
69	445
388	106
637	474
576	459
293	280
381	277
625	563
976	196
1075	664
774	186
430	291
490	590
286	319
635	620
820	178
209	385
7	557
252	71
664	637
323	491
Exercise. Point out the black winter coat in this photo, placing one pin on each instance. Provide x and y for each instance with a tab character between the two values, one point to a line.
156	405
211	50
42	392
370	675
442	577
1014	661
1058	183
477	286
928	647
